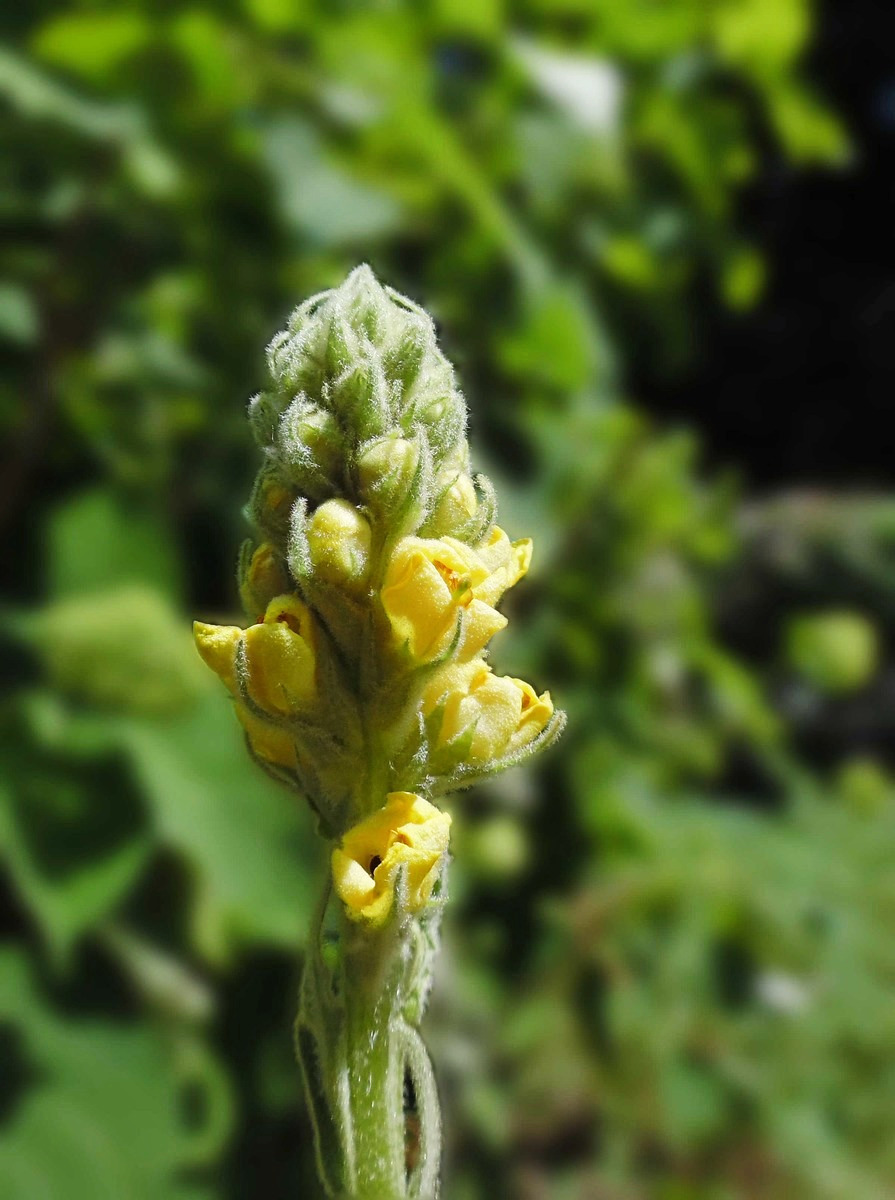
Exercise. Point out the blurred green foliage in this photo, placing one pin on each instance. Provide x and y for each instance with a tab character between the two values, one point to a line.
669	963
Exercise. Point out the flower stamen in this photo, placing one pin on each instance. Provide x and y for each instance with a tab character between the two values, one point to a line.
289	619
449	575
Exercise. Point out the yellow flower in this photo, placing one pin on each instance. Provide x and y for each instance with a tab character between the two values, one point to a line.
429	581
280	667
407	832
504	713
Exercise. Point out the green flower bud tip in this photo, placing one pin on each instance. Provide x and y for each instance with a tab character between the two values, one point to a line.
369	355
456	508
387	469
308	446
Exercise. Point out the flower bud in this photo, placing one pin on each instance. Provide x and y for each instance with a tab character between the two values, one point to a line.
431	583
386	470
309	447
262	576
360	396
270	506
339	539
271	744
407	833
365	302
264	416
280	658
406	355
456	508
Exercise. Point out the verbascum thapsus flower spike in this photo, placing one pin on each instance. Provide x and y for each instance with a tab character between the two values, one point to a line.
372	589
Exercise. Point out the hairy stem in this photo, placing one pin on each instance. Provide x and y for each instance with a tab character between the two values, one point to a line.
374	1071
357	1042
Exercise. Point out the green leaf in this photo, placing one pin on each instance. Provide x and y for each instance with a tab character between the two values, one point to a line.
743	278
318	199
92	44
808	130
66	898
97	542
18	315
101	1118
125	649
765	33
248	843
38	96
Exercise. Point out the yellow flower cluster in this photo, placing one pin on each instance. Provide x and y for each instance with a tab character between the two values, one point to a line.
438	597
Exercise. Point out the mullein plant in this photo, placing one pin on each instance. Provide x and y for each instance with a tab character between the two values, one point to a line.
372	583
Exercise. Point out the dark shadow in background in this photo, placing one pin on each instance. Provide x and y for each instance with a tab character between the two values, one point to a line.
798	390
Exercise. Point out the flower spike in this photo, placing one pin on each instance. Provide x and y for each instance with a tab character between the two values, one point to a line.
371	589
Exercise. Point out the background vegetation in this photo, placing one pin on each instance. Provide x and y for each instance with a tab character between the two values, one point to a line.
669	962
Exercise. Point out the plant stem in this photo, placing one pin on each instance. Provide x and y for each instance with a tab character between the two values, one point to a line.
373	994
357	1042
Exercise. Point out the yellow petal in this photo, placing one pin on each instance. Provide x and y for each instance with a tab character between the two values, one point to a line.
217	646
354	884
480	623
407	833
489	705
280	657
505	713
279	651
536	713
270	742
429	580
419	603
506	563
499	707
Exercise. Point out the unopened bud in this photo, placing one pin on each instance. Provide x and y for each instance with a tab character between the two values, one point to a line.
386	470
455	509
271	504
262	576
407	355
309	447
360	396
339	544
264	416
365	302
